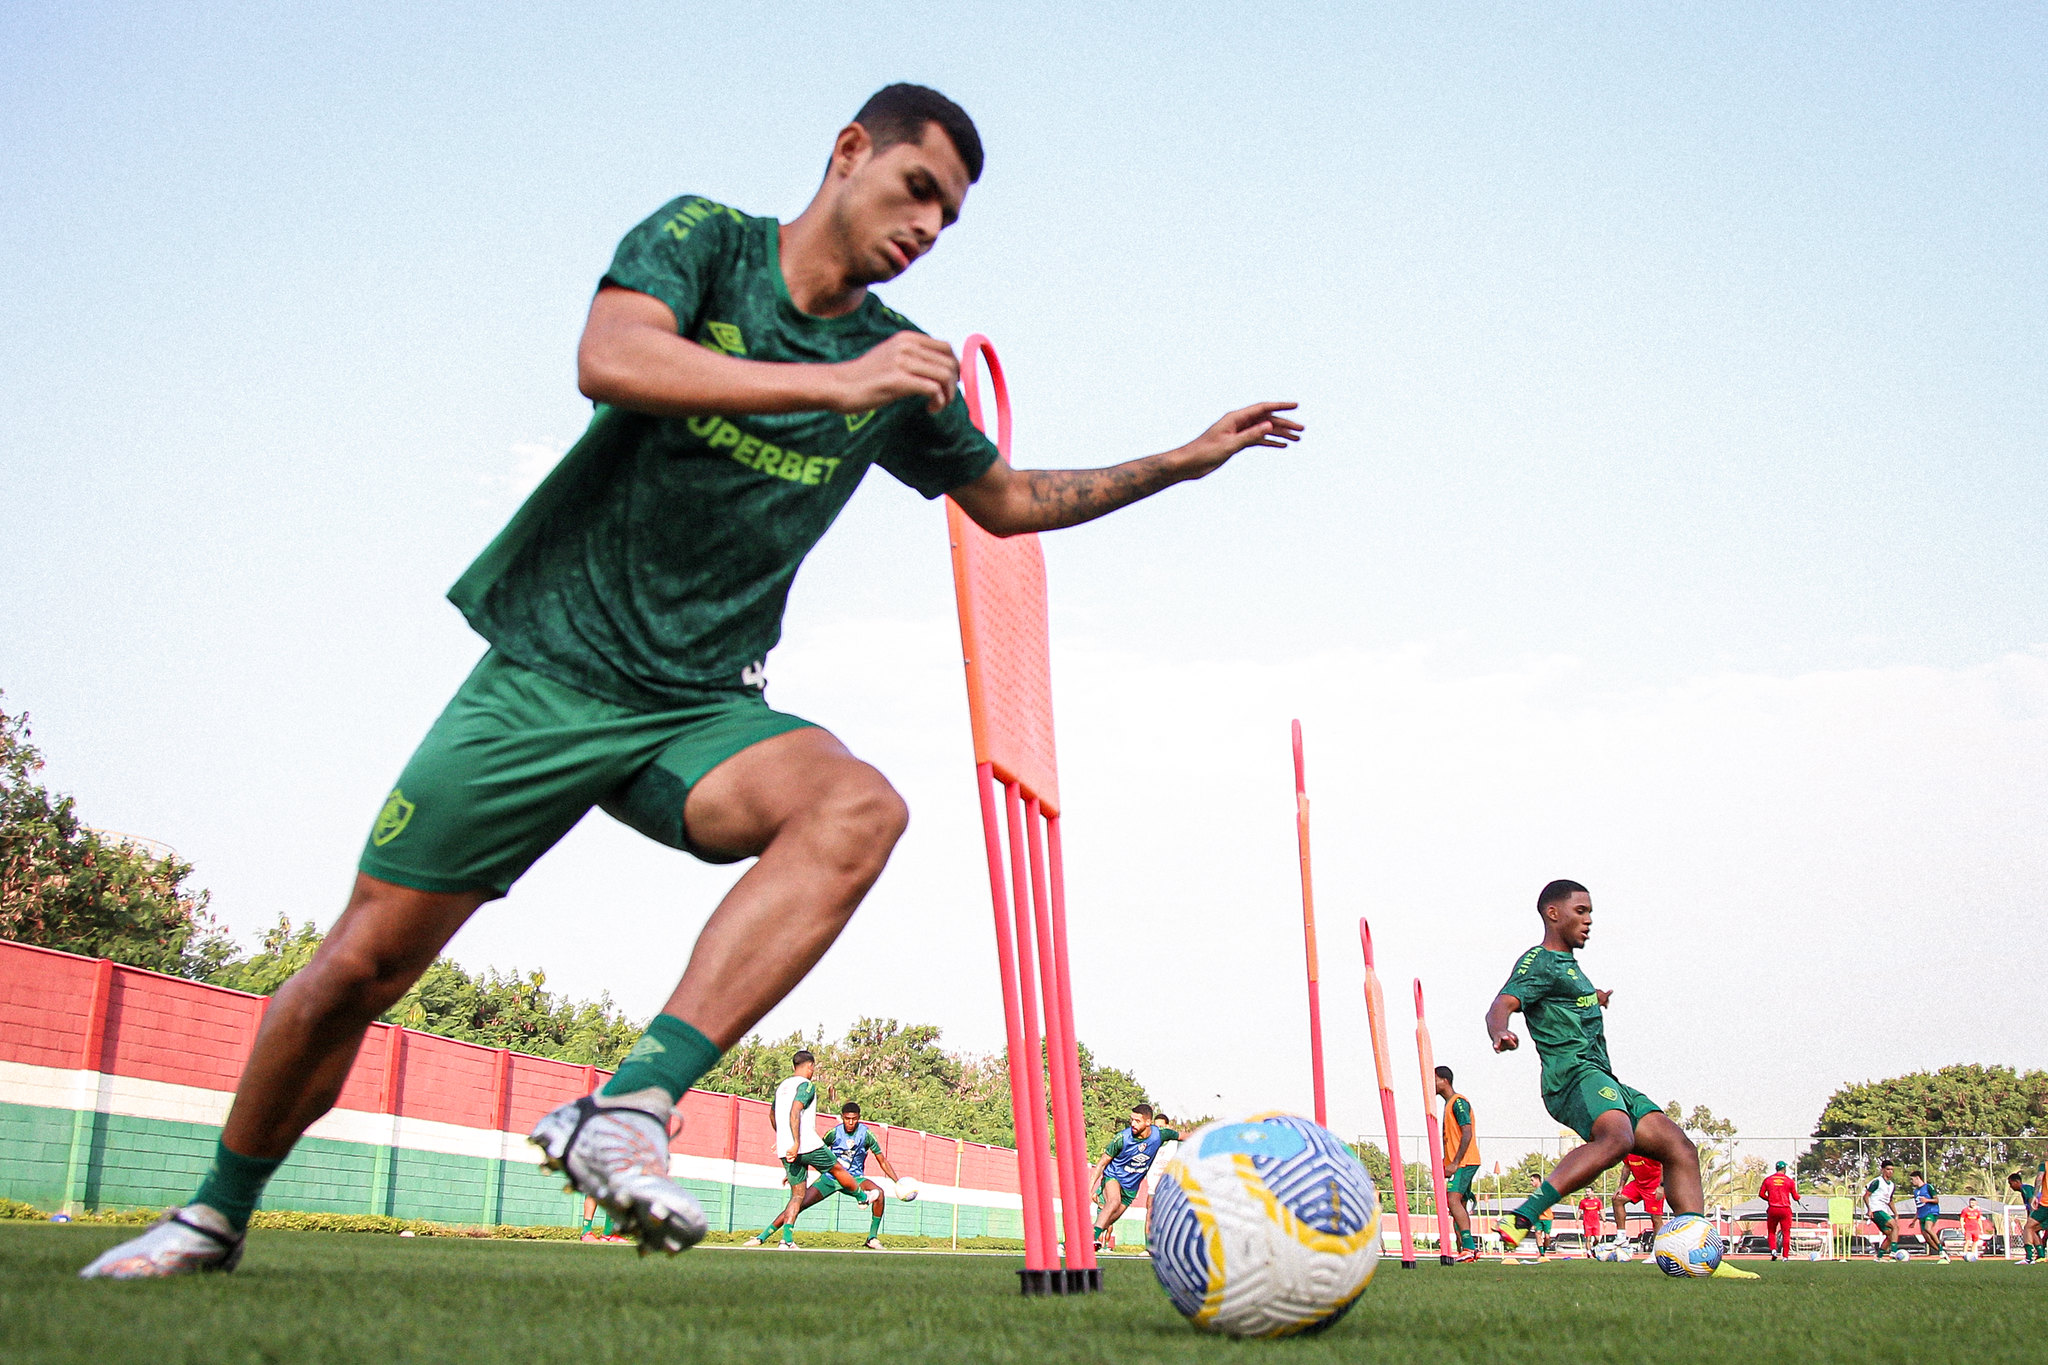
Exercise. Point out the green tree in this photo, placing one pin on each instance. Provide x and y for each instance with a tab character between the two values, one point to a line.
65	885
1979	1121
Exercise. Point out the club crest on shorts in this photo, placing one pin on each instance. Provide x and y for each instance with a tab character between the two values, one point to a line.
392	820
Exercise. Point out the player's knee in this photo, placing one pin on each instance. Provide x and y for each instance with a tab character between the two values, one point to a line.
346	987
861	819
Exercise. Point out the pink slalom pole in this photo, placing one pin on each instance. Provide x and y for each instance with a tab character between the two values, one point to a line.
1376	1014
1027	995
1059	1041
1037	1254
1426	1055
1308	933
1080	1256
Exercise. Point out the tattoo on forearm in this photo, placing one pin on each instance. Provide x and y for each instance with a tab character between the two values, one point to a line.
1068	497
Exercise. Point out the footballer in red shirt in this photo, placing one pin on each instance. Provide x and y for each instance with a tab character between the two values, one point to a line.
1589	1218
1779	1192
1646	1187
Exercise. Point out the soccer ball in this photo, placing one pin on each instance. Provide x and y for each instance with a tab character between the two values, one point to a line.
1902	1255
1971	1255
1264	1227
906	1189
1611	1251
1688	1247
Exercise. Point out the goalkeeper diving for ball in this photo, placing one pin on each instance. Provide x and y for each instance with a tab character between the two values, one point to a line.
1564	1012
745	379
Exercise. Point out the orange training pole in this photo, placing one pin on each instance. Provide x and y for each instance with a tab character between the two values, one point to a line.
1426	1054
1375	1011
1308	933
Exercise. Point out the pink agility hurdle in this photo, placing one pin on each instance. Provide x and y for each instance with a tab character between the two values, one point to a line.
1006	645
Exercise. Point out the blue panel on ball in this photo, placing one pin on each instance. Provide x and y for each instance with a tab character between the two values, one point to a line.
1274	1139
1180	1254
1321	1182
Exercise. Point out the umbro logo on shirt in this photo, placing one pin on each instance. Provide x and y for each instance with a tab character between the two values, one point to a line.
724	337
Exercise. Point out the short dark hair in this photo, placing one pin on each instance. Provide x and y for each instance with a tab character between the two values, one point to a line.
1914	1174
1563	889
1882	1164
898	113
803	1055
850	1108
2016	1175
1144	1109
1443	1073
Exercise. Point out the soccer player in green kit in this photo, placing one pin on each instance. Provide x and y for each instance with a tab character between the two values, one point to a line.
745	380
1564	1012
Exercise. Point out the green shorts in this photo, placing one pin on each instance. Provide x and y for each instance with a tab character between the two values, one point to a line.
1461	1181
1882	1219
1592	1095
2040	1216
817	1159
517	759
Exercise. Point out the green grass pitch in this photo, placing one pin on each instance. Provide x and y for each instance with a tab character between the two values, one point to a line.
369	1299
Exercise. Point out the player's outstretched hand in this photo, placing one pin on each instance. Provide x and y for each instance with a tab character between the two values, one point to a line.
1506	1041
1604	997
908	364
1258	425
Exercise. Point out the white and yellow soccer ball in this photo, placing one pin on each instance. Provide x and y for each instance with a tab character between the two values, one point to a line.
1688	1247
1264	1227
906	1189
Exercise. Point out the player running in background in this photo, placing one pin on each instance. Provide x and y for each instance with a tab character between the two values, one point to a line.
1461	1159
1565	1015
1589	1219
1645	1186
1877	1205
850	1141
795	1115
745	379
2033	1226
1780	1192
1121	1172
1927	1212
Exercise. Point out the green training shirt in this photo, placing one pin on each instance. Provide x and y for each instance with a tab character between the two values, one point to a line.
655	561
1563	1014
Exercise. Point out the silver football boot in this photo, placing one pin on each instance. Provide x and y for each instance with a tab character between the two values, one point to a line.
619	1157
183	1242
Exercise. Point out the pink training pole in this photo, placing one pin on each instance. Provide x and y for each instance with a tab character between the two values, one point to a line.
1058	1040
1074	1156
1376	1013
1037	1255
1308	932
1426	1055
1027	994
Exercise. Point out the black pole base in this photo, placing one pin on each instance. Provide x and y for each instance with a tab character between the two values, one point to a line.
1036	1282
1407	1265
1446	1260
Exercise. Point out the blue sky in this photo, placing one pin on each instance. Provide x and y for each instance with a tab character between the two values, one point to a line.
1671	507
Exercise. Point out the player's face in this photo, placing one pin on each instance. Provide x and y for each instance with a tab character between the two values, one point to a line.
1140	1124
1574	919
849	1121
893	204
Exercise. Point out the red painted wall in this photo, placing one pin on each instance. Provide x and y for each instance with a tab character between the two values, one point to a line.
163	1028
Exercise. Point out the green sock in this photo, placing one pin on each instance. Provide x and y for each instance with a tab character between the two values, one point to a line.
234	1184
671	1054
875	1225
789	1232
768	1233
1466	1241
1538	1203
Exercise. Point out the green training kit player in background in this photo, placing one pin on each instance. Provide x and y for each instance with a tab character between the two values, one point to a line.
745	380
1564	1012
